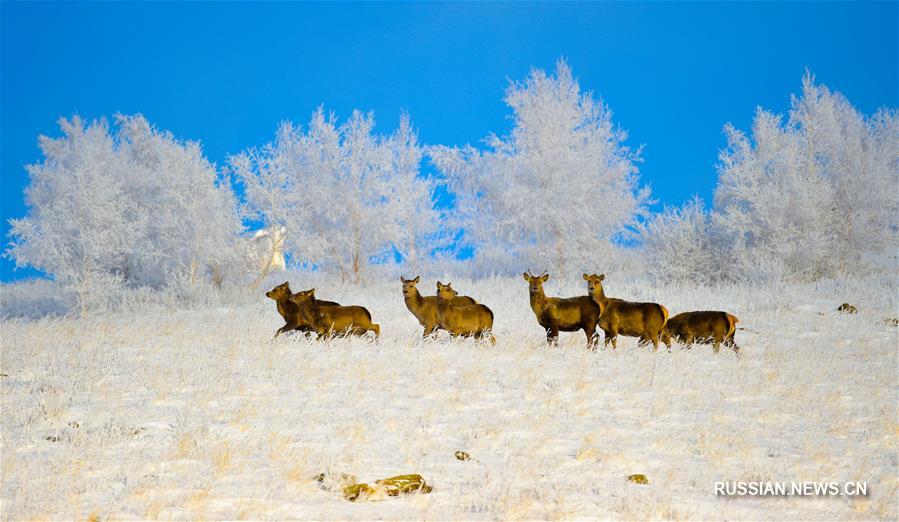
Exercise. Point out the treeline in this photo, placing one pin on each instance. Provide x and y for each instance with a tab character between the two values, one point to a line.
808	195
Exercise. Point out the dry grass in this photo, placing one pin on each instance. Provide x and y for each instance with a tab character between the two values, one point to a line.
197	414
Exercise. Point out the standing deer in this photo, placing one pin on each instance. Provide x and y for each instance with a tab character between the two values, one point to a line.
424	308
562	314
334	320
475	320
293	318
702	327
643	320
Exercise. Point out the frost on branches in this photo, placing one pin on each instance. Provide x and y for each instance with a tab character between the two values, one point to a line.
557	191
346	196
133	206
803	198
814	196
681	244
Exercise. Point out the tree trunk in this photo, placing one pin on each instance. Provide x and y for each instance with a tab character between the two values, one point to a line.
265	270
194	268
560	252
218	276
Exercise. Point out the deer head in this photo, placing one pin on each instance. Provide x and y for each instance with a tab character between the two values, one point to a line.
409	288
594	284
279	292
536	282
445	291
303	297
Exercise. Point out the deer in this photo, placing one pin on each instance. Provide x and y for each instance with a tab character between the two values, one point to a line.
293	319
467	320
329	321
568	314
702	327
616	316
424	308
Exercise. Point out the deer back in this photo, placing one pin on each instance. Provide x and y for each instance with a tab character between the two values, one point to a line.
704	324
633	318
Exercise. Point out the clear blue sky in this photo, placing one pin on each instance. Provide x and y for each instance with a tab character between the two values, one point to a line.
226	74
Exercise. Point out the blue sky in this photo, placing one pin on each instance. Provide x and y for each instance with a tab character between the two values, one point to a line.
226	74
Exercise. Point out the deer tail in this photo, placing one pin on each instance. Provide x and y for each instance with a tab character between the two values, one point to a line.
731	324
664	315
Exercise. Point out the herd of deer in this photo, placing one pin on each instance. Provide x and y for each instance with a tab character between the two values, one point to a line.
463	316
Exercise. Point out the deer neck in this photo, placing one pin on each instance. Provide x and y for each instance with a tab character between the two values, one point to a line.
313	312
538	300
413	301
285	305
600	299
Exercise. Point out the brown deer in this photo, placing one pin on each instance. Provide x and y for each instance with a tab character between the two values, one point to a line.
643	320
334	320
293	319
424	308
702	327
568	314
462	319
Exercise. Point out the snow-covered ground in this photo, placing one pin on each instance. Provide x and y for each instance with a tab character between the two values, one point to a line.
158	413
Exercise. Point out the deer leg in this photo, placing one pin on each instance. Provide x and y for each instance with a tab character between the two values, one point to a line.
730	343
429	330
612	335
286	328
666	338
552	336
591	337
606	337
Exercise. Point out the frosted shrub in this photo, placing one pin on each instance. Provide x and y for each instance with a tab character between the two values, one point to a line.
680	244
128	206
816	193
557	191
805	197
345	196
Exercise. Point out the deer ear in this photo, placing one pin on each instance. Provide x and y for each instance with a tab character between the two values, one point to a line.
545	278
602	276
311	292
417	279
402	279
586	277
526	278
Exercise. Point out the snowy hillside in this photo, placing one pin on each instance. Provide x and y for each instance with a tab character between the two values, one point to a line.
177	414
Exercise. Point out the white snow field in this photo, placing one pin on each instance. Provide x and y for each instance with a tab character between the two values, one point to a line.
155	413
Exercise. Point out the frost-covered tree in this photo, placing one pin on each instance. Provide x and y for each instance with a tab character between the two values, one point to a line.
80	220
681	244
346	196
128	206
191	227
556	191
418	222
811	197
